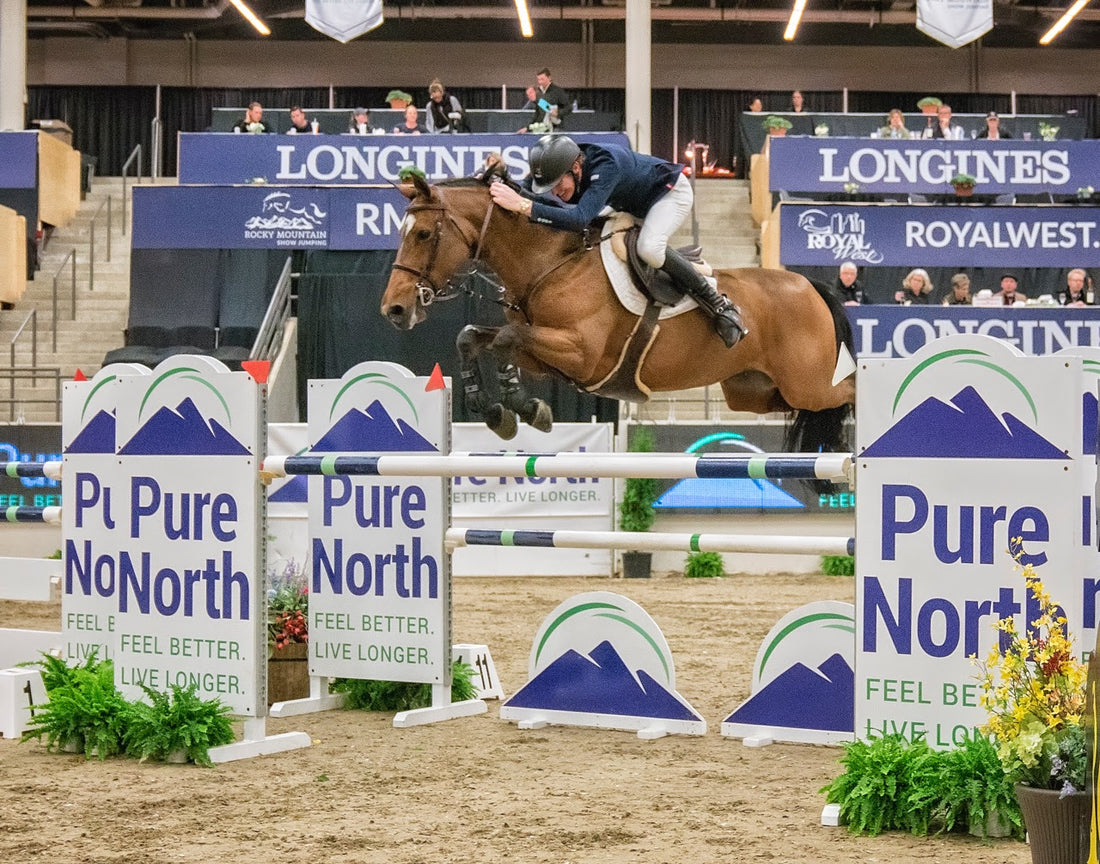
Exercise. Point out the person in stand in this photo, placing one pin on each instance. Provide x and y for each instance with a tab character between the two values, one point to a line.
846	287
359	122
588	177
943	127
756	105
916	289
299	125
797	102
960	291
440	108
254	119
412	124
551	102
1008	295
895	126
532	94
1078	289
993	130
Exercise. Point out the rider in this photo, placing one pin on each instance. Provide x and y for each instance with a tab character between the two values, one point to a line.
589	176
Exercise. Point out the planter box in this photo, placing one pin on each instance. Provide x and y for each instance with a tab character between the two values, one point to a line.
288	673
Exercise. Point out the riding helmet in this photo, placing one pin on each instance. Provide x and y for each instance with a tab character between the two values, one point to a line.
551	160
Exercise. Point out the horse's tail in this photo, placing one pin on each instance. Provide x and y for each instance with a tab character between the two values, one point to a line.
825	430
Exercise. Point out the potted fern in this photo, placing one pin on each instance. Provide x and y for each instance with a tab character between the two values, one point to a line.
636	509
776	125
929	104
964	184
176	726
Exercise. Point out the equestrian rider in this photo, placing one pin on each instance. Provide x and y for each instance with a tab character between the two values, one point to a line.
589	177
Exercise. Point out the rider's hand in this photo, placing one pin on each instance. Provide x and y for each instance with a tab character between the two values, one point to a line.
505	196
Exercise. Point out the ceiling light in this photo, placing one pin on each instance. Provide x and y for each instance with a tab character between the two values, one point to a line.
796	16
524	19
251	17
1071	13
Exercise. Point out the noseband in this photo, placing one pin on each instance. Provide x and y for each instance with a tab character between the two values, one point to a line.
427	291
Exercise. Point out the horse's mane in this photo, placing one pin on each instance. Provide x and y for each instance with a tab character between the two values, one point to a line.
461	182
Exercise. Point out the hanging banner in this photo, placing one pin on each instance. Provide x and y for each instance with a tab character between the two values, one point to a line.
954	22
343	20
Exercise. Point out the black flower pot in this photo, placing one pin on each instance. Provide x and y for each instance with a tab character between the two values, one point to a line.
1057	828
637	565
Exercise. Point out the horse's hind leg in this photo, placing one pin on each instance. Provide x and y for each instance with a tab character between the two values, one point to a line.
471	341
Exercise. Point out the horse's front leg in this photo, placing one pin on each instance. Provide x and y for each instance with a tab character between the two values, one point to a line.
471	341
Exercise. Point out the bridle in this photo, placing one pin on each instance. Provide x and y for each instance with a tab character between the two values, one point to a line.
427	289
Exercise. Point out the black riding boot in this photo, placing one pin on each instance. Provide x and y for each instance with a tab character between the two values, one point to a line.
726	317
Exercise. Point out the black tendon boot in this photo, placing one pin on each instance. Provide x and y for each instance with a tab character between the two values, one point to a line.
726	317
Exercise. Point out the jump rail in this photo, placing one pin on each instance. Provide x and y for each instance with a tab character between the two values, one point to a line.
52	470
32	514
642	541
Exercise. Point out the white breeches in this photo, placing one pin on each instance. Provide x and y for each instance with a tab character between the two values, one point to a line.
662	220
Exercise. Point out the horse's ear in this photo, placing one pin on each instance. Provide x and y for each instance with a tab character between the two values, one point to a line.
494	167
414	186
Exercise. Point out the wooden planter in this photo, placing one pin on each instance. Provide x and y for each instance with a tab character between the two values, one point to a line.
1057	828
778	130
964	191
288	673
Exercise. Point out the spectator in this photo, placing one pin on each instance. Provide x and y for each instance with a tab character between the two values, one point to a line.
756	105
943	127
551	102
1008	293
412	124
992	129
532	97
895	125
440	110
299	125
1078	289
916	289
254	119
796	101
359	122
960	291
846	287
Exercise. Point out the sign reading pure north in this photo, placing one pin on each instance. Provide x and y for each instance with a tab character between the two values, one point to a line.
379	603
966	450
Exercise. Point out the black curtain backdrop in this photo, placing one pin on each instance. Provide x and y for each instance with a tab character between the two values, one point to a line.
339	325
108	121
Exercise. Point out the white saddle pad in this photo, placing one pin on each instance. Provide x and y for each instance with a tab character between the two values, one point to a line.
632	299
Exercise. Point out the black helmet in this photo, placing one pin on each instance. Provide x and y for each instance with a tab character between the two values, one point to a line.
551	160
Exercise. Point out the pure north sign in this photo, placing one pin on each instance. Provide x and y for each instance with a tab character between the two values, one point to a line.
926	167
895	235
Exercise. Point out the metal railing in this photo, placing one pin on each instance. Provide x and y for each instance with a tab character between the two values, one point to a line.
156	140
32	319
70	259
134	154
29	372
91	240
269	339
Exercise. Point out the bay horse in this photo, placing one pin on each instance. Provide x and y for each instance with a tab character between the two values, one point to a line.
564	318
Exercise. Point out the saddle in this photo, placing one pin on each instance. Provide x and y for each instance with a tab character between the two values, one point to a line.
659	291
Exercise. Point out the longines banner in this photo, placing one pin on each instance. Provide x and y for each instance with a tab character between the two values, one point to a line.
806	164
901	331
18	159
210	217
225	159
897	235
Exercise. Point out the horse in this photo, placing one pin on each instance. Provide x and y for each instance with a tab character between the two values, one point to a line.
564	318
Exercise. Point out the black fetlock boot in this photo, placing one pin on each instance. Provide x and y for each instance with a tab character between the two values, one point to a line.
726	317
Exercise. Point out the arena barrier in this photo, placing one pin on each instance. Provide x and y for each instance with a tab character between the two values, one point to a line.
52	515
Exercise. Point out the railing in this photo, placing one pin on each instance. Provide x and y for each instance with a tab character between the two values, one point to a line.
156	138
32	319
70	259
269	339
91	240
134	154
29	372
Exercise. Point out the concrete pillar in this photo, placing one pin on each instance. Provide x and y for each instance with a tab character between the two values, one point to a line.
638	74
13	64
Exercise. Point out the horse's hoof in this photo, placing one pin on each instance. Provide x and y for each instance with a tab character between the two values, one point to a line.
539	415
501	421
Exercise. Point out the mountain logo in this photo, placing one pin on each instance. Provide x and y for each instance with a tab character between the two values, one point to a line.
803	685
369	430
182	431
600	660
96	436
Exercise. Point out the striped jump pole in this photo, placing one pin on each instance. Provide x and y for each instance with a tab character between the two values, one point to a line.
51	470
644	541
665	466
32	514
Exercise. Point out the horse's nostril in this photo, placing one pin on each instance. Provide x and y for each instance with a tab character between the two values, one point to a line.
396	312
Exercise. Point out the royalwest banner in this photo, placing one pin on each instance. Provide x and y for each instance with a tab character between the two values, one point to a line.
954	22
803	164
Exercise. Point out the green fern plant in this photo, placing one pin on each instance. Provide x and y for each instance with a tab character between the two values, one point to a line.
838	565
704	565
366	695
176	721
636	509
976	787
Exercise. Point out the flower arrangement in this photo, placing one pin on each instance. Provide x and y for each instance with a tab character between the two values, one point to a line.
538	128
1048	132
1034	690
851	187
287	606
961	179
821	130
929	104
399	99
772	122
255	128
1084	193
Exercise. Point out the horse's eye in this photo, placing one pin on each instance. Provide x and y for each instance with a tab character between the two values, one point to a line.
423	234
